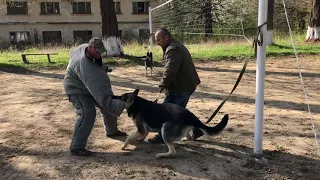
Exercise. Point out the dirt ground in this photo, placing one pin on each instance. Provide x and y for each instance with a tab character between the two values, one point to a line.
36	126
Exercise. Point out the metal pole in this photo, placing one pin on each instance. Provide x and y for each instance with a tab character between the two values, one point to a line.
260	76
150	30
162	5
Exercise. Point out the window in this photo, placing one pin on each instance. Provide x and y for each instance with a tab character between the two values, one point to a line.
14	7
140	7
82	36
49	8
16	37
51	36
81	7
117	7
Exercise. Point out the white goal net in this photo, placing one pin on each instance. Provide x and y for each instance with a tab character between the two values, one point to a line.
198	17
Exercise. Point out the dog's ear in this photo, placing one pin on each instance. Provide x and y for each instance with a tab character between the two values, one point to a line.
129	100
136	91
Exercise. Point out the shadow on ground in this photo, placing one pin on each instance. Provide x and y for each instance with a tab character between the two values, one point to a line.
236	161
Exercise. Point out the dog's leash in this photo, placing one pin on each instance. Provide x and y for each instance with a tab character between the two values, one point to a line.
156	101
220	106
258	41
235	86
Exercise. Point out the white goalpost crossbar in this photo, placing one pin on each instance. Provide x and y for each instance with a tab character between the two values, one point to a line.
161	5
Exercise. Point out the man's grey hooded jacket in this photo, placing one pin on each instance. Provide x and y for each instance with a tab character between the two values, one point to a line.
84	77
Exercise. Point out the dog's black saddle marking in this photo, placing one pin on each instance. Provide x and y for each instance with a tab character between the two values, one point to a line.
149	60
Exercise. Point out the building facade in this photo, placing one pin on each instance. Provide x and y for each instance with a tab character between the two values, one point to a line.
67	21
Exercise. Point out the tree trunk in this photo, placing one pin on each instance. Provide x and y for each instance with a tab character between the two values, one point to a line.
208	17
302	23
269	39
314	23
110	30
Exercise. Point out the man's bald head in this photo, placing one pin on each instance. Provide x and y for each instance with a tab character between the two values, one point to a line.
163	36
164	32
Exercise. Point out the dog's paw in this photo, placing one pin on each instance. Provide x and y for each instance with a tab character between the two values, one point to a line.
187	139
123	147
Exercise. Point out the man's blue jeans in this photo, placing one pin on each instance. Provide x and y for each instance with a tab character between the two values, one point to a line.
180	99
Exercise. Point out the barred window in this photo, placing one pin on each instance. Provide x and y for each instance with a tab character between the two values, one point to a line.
81	7
51	36
117	7
22	36
14	7
49	8
82	36
140	7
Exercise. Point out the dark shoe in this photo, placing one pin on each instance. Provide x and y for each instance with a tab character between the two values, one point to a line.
118	133
156	139
196	133
81	152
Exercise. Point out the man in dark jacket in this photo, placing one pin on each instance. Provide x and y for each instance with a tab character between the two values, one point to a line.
180	77
88	86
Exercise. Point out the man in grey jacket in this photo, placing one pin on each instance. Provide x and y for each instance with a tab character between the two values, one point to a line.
180	77
88	86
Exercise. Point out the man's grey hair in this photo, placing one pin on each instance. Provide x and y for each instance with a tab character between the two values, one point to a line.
164	31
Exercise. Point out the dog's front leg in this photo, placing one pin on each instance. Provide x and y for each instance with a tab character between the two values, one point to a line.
145	65
130	138
143	137
188	137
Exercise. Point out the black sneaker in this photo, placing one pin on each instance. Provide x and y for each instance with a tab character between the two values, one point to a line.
157	139
118	133
196	133
81	152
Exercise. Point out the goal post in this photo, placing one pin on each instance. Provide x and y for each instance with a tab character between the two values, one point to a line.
189	18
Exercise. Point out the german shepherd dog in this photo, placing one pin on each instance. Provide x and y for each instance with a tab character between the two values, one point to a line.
173	121
148	62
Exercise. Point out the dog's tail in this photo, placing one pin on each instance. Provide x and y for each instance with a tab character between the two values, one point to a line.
210	131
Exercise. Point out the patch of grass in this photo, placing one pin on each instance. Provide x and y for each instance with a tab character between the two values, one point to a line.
13	57
203	51
213	51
